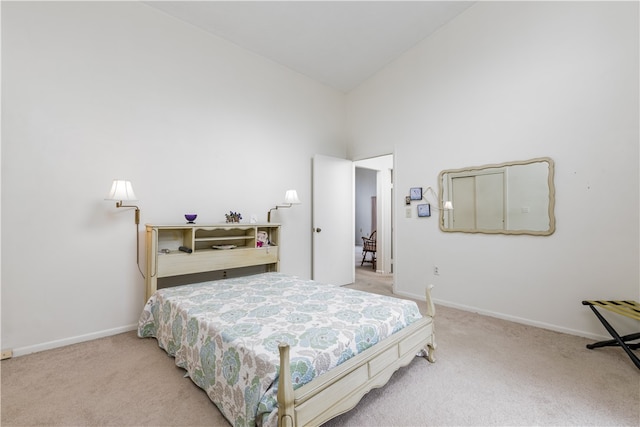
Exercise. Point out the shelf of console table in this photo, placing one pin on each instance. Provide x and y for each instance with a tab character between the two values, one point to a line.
164	259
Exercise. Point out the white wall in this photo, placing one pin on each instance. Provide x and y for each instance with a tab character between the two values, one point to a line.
93	91
512	81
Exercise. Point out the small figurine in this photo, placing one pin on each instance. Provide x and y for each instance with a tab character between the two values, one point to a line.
233	216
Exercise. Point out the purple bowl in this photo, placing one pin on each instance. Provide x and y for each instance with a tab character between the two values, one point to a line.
191	218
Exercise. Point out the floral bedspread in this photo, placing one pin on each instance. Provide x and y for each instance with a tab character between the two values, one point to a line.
225	334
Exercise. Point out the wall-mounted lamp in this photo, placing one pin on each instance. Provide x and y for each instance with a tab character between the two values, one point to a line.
122	191
290	199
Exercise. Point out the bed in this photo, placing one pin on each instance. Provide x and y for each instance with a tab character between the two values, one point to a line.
235	337
271	349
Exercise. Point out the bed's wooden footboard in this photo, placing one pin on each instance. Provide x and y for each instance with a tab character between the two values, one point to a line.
340	389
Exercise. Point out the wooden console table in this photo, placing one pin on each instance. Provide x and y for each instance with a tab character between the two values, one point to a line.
238	245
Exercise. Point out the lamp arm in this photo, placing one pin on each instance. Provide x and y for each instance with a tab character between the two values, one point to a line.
137	220
287	205
138	243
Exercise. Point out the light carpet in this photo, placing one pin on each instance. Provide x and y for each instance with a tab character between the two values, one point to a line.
489	372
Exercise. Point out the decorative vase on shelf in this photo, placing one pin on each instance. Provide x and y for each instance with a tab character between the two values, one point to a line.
191	218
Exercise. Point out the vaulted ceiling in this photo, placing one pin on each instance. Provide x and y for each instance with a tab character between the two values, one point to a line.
339	43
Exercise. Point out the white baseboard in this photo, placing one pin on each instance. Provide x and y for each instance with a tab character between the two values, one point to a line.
503	316
21	351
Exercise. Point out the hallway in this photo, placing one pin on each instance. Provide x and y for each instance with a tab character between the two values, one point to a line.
368	280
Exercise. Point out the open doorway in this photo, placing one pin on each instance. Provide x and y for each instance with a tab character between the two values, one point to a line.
374	219
366	217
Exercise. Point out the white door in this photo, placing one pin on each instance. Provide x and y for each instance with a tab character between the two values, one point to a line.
333	220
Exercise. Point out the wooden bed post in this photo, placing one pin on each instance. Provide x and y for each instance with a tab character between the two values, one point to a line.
431	308
286	412
431	312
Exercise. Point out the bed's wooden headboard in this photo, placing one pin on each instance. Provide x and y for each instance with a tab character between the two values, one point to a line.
176	250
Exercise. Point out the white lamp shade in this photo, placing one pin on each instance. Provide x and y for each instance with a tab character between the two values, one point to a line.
121	190
291	197
448	205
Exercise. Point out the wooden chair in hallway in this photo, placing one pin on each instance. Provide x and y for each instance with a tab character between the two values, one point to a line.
369	247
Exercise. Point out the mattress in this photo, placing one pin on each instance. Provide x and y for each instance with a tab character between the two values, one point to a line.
225	334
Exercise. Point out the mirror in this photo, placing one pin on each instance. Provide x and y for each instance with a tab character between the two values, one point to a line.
506	198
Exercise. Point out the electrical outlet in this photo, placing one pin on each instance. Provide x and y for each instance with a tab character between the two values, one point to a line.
6	354
408	213
436	270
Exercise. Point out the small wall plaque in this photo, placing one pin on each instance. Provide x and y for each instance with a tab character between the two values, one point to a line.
415	193
424	210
